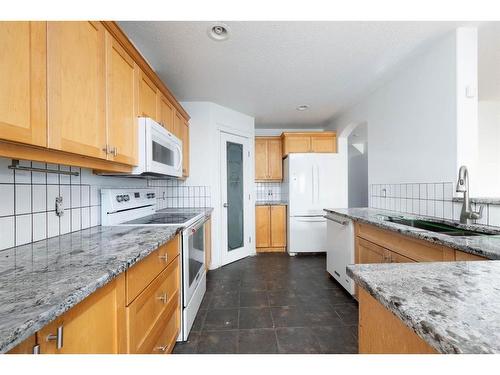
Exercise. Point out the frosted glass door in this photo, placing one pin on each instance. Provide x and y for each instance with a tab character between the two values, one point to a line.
236	182
234	186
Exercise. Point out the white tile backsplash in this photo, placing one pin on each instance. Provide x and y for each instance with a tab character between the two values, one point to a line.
7	232
39	198
6	200
427	199
23	199
23	229
39	226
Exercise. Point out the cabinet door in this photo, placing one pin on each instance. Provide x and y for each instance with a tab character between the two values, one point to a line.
121	103
262	226
23	89
398	258
278	226
94	326
208	243
295	143
324	143
167	112
178	122
274	157
76	87
147	97
185	148
26	347
371	253
261	159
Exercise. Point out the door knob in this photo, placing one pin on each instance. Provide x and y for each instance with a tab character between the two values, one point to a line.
225	205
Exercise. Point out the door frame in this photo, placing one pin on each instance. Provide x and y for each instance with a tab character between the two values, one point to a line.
249	207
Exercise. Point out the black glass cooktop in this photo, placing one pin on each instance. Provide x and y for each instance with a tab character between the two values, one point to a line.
164	218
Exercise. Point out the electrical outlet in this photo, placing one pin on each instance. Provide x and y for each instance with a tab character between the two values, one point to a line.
59	206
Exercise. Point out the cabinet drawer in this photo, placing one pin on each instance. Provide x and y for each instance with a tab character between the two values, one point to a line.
168	334
141	274
151	308
420	251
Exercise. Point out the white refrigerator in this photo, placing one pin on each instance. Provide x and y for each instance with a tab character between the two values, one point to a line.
312	182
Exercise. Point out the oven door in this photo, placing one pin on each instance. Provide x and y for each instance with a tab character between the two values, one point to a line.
163	151
193	254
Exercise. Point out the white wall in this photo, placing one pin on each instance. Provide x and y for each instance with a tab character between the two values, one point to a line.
489	150
276	132
358	175
412	117
207	120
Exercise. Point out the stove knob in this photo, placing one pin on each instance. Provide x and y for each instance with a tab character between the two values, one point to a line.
126	198
119	198
153	195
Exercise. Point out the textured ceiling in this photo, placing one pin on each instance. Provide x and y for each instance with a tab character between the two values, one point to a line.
267	69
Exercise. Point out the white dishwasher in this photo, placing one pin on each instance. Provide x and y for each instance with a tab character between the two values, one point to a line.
340	249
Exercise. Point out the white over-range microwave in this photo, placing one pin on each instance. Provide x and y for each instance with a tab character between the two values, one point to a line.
159	151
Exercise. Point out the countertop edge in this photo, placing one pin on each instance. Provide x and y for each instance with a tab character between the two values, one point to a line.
425	333
32	326
421	235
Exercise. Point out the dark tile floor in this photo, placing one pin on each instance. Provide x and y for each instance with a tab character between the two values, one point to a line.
273	303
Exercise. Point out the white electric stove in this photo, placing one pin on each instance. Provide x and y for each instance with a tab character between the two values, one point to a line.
137	207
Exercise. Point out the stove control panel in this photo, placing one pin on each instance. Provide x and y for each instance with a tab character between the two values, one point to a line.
126	202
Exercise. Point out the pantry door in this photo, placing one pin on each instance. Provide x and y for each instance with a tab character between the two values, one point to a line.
235	197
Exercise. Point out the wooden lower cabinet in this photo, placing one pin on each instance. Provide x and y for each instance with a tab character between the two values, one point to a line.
376	245
270	228
105	323
148	314
26	347
94	326
208	243
381	332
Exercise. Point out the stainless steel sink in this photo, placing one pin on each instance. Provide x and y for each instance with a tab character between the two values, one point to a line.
449	230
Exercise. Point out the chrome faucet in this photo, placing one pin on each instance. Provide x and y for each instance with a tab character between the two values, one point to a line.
466	215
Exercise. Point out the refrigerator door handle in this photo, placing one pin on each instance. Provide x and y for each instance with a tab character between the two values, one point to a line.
312	181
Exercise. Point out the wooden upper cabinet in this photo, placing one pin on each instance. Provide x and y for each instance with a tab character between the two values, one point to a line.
324	142
315	142
178	125
23	89
185	148
268	160
94	326
261	165
76	87
121	108
148	106
262	226
167	113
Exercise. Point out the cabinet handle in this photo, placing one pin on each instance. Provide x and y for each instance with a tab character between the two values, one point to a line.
164	257
115	151
106	149
36	349
162	349
58	337
163	297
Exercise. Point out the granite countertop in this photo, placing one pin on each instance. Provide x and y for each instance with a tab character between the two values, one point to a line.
486	246
453	306
43	280
271	203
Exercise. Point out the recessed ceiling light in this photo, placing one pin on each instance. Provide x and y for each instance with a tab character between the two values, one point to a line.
303	107
218	32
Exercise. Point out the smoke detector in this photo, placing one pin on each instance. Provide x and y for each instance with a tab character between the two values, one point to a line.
303	107
218	32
